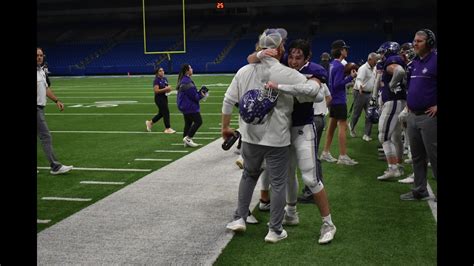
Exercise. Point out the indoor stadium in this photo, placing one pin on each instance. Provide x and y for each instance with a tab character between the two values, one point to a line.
128	174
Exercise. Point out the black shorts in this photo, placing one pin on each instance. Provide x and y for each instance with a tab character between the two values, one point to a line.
338	111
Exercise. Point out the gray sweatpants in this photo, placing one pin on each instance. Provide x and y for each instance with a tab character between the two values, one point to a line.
361	101
277	160
423	133
319	124
42	131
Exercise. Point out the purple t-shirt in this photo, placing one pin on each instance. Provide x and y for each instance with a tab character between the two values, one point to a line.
423	85
161	82
337	82
303	112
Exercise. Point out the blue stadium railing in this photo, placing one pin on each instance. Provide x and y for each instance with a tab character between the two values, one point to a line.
128	56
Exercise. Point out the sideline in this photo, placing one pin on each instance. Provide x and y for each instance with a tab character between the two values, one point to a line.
173	216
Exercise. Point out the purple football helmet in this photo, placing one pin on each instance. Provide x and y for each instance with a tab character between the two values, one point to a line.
373	114
388	49
257	105
407	49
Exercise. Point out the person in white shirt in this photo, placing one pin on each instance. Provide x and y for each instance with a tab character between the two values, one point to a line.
269	141
363	88
42	130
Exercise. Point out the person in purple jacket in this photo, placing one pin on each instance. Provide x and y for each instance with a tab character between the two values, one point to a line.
188	103
338	108
422	122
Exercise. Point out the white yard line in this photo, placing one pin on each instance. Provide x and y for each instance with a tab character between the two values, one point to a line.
65	199
171	151
102	169
153	160
136	103
130	97
433	204
181	144
97	92
202	138
122	114
143	89
101	183
91	103
122	132
42	221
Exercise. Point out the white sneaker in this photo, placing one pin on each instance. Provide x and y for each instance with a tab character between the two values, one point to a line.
237	225
148	125
251	219
62	170
408	180
409	161
390	174
264	206
366	138
169	131
240	163
346	160
273	237
291	219
189	142
327	157
429	164
327	233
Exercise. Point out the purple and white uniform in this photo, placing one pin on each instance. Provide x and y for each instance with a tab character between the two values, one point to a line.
303	149
394	101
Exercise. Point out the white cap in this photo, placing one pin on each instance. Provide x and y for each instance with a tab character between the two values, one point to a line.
283	33
271	40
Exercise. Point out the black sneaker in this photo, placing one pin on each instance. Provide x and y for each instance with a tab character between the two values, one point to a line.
412	196
306	199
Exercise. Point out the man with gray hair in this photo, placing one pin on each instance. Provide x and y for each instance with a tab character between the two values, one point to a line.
363	88
271	139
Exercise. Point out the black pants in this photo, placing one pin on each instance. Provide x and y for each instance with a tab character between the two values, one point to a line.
192	122
163	111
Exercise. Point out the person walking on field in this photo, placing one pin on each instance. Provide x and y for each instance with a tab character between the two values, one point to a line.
161	90
43	91
188	103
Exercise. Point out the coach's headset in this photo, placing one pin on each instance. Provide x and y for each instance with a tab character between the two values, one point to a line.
431	39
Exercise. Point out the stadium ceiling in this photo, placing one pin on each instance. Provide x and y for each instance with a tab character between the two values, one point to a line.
81	7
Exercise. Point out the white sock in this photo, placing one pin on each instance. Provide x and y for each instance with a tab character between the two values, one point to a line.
392	167
328	220
291	210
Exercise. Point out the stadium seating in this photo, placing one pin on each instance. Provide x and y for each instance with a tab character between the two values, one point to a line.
214	46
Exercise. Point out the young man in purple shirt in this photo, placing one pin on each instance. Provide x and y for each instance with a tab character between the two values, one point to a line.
422	104
338	107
